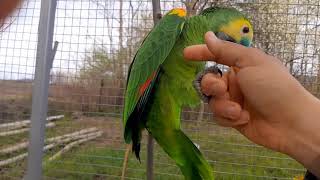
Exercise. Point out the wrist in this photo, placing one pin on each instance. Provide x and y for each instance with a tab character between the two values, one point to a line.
304	135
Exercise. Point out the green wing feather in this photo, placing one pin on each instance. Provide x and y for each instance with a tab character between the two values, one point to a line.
151	54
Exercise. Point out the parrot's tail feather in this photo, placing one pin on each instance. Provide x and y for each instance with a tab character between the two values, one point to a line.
134	133
187	156
136	150
136	138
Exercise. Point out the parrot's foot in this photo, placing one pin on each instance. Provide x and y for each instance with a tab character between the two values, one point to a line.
197	81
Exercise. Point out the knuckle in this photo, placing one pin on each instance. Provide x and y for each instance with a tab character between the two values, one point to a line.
251	56
256	53
254	50
219	50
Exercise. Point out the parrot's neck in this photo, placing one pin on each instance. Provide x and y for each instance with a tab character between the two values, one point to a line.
194	30
193	33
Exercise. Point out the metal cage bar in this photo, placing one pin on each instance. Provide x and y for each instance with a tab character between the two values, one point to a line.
45	55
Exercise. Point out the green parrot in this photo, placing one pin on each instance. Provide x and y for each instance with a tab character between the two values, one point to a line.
160	82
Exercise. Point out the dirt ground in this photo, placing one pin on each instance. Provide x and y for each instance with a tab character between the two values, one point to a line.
111	127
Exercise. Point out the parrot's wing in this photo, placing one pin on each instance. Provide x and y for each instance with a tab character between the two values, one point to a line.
144	69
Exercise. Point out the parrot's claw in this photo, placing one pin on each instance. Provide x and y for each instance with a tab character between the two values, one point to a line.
197	81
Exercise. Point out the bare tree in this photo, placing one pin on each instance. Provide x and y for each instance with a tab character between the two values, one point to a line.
193	7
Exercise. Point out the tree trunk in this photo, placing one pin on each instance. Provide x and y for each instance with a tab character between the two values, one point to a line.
120	77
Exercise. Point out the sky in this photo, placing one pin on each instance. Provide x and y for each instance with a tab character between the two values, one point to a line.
80	26
18	44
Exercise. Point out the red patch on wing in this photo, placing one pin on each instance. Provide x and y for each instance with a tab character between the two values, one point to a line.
145	85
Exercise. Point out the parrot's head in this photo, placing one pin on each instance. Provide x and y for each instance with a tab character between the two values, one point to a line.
230	25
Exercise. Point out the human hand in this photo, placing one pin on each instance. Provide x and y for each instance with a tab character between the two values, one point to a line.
260	99
6	7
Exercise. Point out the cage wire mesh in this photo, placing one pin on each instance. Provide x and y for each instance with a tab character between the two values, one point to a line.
18	41
97	41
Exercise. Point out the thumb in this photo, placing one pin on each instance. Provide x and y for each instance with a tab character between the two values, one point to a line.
228	53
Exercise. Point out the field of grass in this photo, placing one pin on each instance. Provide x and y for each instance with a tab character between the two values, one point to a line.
231	155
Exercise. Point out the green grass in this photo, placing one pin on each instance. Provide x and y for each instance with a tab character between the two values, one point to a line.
231	155
234	157
105	163
63	126
89	163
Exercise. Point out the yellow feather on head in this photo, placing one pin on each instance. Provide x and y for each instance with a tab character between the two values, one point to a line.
178	11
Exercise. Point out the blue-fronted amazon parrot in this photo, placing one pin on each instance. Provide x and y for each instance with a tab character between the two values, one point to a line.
160	84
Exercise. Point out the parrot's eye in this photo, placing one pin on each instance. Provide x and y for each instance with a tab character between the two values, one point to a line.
245	30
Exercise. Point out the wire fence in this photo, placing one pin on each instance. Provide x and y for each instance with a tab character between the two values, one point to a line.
97	41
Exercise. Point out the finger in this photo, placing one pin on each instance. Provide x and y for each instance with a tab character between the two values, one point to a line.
198	52
240	122
6	7
231	54
234	89
226	109
213	85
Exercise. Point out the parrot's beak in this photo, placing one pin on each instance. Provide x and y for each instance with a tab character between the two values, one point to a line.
225	37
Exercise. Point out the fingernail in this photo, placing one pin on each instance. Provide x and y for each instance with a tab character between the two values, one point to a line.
232	112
